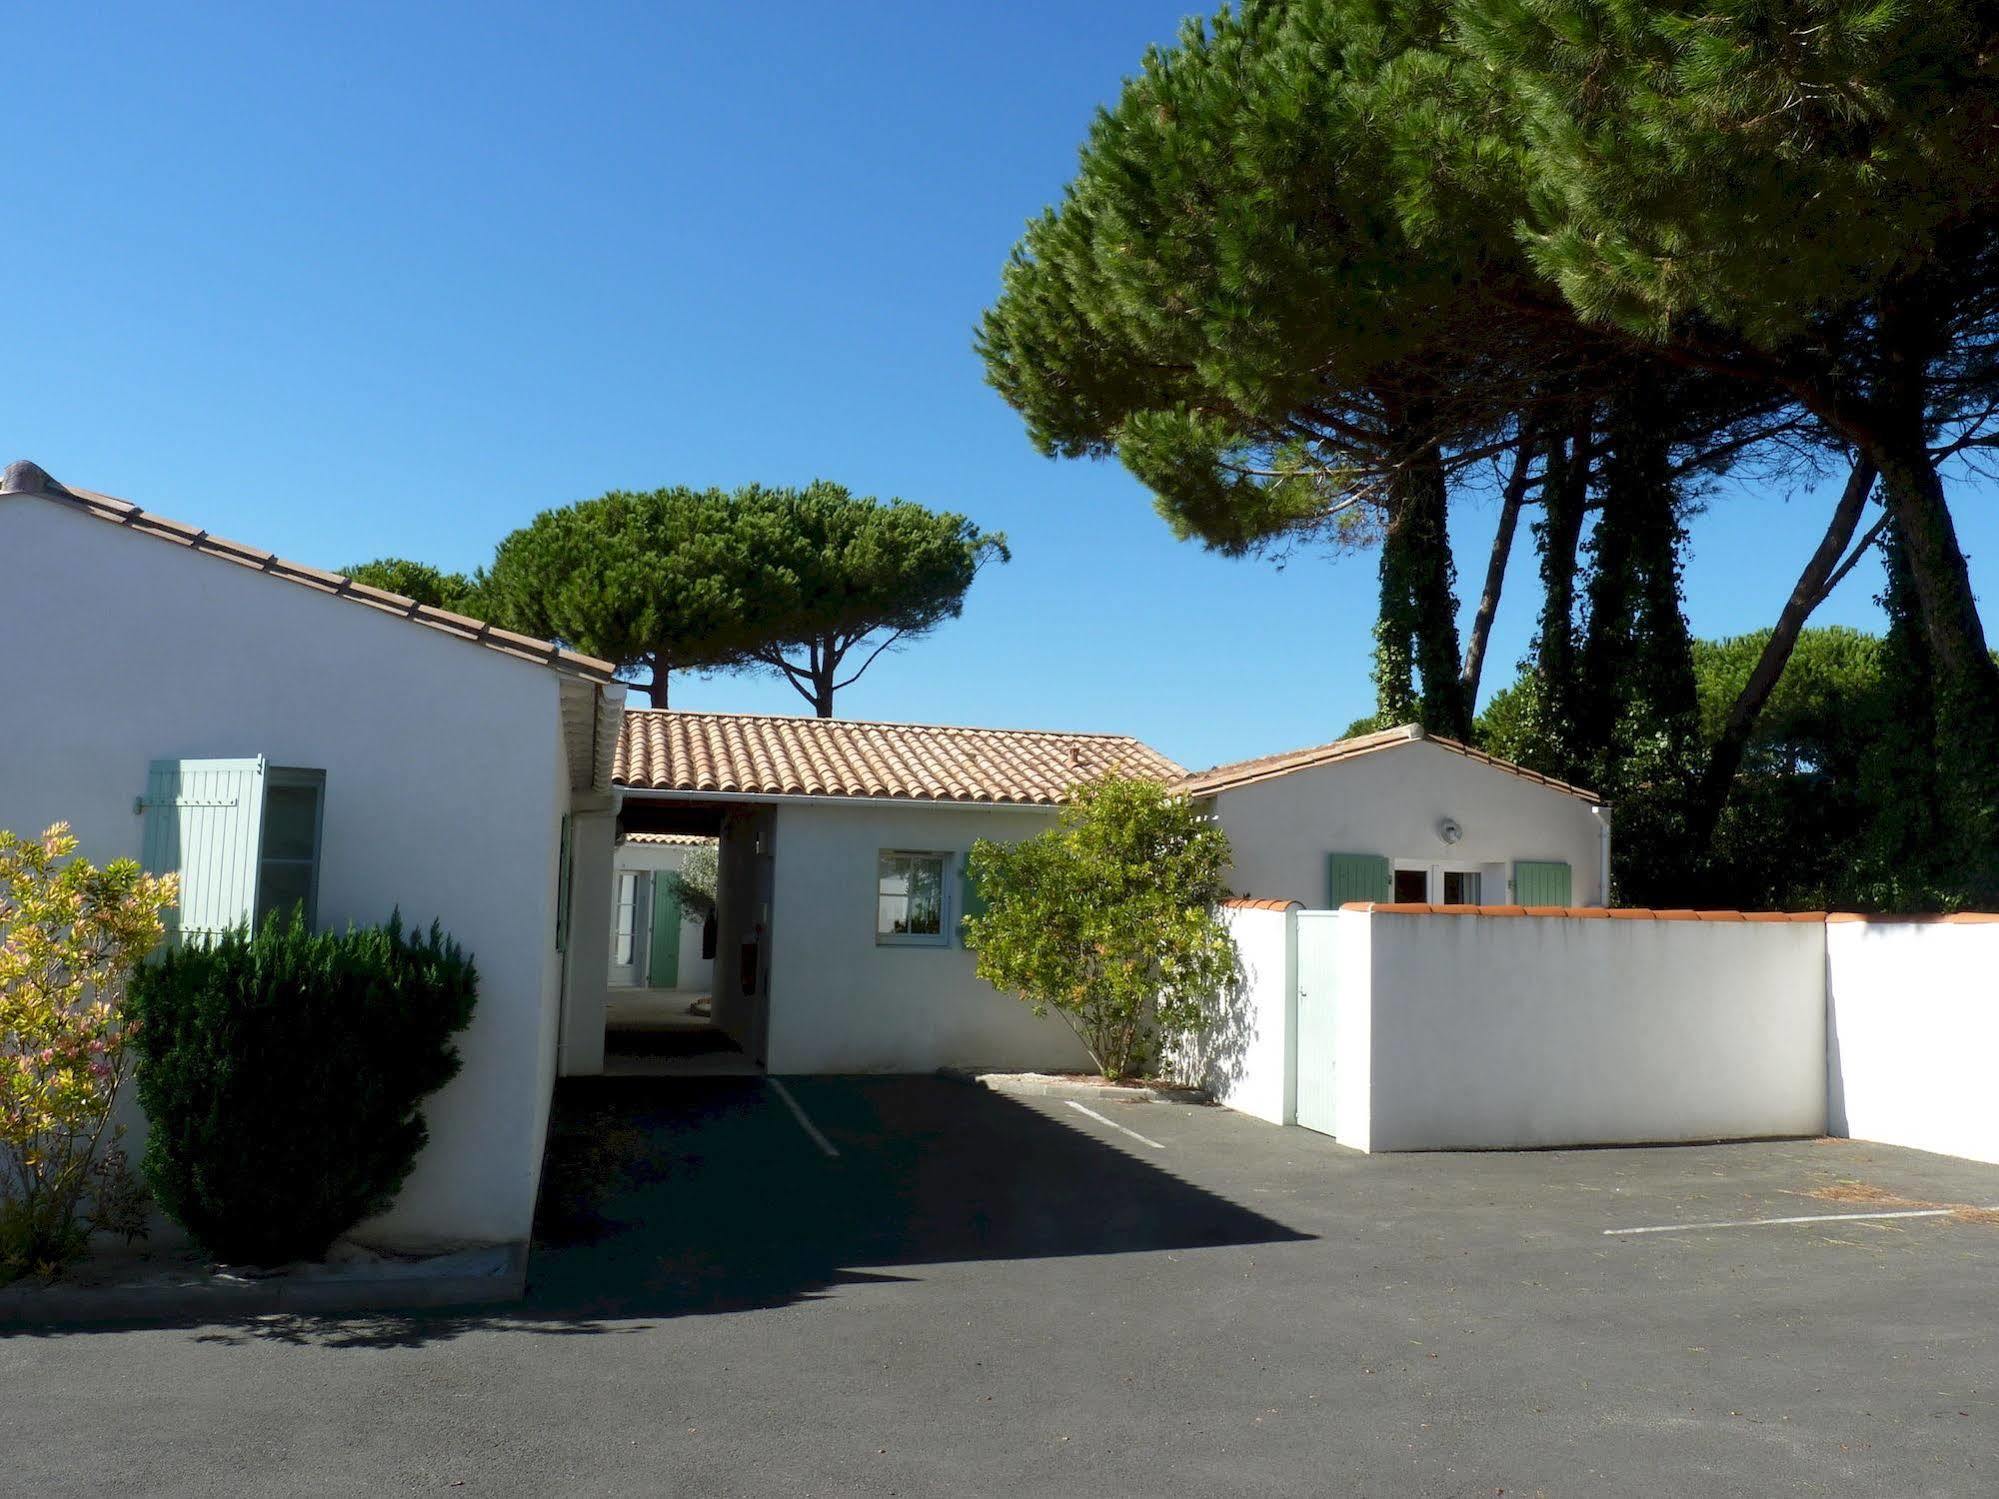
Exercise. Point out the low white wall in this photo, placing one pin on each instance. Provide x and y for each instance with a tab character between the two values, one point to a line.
1914	1016
1246	1060
1494	1032
841	1003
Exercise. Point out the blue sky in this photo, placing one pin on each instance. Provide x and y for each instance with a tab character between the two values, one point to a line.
346	281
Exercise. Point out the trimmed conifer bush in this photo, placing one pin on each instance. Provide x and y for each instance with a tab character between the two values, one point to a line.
283	1075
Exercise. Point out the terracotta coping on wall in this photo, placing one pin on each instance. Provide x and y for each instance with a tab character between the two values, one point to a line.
1245	904
1925	918
1643	913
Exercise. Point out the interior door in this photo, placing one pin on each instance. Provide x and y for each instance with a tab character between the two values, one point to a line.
663	960
1318	935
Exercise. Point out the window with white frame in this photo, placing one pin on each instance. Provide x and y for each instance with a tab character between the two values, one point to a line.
909	899
625	928
1426	882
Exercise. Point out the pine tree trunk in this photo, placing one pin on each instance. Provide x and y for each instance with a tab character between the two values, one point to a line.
1513	498
656	684
1967	680
1725	756
1564	503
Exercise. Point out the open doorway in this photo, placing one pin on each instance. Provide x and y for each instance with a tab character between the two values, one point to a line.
689	975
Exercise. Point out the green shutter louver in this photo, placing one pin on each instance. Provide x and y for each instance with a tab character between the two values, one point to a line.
1541	883
205	823
1356	877
663	958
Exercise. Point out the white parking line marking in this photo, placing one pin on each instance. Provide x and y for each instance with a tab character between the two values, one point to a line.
1679	1228
803	1123
1079	1108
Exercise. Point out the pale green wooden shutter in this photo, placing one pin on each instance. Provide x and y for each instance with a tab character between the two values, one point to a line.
205	823
1540	883
663	961
1356	877
970	902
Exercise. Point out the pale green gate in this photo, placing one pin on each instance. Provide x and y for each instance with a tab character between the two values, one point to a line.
1316	1056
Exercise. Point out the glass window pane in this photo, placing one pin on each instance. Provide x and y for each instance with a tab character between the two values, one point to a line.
1412	886
282	886
627	919
1461	887
909	899
291	822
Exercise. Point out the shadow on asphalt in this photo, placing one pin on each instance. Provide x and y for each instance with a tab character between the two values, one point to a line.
677	1197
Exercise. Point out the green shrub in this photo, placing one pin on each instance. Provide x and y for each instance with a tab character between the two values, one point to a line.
283	1076
1111	919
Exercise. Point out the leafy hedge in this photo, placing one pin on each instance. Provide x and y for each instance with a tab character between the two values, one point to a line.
283	1076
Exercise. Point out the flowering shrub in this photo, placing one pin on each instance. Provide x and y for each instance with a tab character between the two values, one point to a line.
70	935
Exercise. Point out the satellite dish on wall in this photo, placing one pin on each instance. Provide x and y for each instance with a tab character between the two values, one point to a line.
1449	831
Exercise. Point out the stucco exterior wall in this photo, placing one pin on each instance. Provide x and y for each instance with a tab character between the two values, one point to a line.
1495	1032
445	787
1390	802
1246	1060
839	1002
1914	1026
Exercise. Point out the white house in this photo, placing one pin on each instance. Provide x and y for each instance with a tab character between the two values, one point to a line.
272	732
841	877
843	845
1408	817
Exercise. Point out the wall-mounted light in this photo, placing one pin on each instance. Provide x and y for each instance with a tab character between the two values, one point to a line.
1449	831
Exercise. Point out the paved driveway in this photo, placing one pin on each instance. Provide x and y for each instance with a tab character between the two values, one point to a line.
971	1295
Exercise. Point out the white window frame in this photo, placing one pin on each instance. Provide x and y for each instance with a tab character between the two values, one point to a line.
1434	870
942	936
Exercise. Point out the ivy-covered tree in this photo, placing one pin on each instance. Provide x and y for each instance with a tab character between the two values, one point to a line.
1797	195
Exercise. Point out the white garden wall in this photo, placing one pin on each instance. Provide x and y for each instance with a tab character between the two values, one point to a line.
445	786
1915	1033
1466	1032
1247	1061
841	1003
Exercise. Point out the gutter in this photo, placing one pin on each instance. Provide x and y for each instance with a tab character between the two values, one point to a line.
764	798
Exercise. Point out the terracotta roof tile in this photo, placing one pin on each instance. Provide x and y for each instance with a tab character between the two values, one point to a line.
1269	767
670	840
757	754
25	479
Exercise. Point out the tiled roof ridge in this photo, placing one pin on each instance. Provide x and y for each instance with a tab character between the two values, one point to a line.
1648	913
893	723
22	480
678	750
1233	773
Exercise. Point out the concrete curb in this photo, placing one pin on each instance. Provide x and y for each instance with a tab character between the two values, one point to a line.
1044	1085
472	1277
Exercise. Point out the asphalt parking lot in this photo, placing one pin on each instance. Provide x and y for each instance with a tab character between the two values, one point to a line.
910	1286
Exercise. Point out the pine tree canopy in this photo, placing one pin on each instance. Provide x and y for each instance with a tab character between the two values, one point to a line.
791	580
